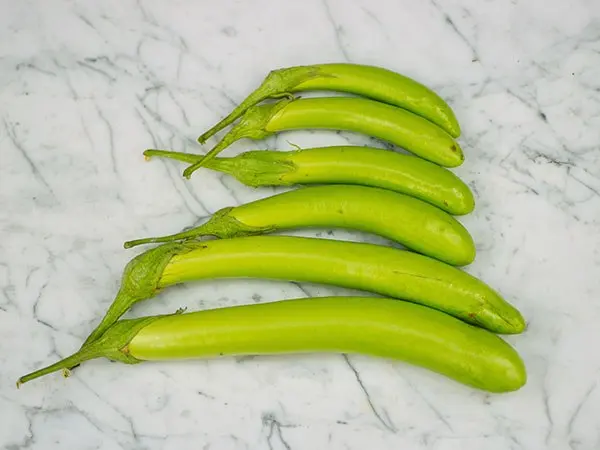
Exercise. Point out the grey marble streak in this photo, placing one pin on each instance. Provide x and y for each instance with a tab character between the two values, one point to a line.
85	87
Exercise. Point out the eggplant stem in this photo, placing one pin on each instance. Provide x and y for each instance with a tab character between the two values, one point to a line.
178	156
112	345
139	282
252	125
234	135
84	354
220	164
222	224
193	233
254	98
120	306
277	84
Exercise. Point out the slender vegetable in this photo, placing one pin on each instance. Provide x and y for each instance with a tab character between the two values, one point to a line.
366	166
374	268
369	81
372	326
398	126
411	222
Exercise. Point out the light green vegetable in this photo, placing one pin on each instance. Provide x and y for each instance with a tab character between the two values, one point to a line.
417	225
365	166
368	81
372	326
395	125
373	268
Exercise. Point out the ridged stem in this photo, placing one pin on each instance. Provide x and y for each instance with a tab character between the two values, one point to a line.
252	125
277	84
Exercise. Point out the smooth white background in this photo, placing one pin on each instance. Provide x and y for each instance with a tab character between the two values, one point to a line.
85	87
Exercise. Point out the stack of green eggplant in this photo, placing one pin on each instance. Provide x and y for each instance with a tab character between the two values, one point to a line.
423	309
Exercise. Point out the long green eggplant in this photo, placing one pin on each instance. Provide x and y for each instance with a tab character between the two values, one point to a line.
397	126
372	326
366	166
373	82
411	222
372	268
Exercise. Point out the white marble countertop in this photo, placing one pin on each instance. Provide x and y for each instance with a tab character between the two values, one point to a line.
85	87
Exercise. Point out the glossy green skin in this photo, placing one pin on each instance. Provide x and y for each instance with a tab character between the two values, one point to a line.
372	326
385	86
395	125
400	127
411	222
373	82
385	169
366	166
373	268
406	220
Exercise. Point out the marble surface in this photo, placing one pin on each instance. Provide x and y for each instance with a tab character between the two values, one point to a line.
85	87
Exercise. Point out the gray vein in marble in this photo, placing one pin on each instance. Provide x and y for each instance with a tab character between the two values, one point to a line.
547	411
569	171
101	72
36	303
128	420
377	22
181	108
33	67
7	288
531	104
226	181
385	421
430	405
64	75
302	289
146	126
275	434
86	21
175	131
542	117
102	60
205	395
222	91
176	182
475	56
12	136
338	30
581	403
175	178
111	140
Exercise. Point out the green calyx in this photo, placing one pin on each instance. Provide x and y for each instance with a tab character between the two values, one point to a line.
254	168
252	125
139	282
277	84
112	345
258	168
223	224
